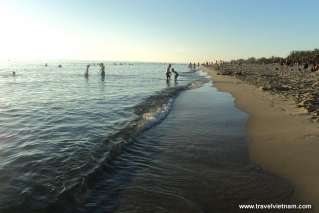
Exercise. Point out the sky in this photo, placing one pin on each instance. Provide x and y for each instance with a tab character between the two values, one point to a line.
156	30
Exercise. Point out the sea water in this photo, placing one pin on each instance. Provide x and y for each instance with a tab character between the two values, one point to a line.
57	127
129	142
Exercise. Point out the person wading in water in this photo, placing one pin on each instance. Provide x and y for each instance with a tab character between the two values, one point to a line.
175	74
102	69
168	72
86	74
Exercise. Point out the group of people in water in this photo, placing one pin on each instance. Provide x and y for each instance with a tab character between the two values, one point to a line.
193	65
102	67
169	72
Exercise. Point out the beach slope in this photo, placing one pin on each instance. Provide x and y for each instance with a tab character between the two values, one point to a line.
282	138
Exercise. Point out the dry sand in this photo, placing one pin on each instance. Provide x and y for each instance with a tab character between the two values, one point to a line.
282	138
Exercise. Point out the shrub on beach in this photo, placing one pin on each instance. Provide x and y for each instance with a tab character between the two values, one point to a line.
304	56
296	56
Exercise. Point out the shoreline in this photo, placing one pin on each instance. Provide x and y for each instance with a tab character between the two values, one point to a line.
282	138
198	169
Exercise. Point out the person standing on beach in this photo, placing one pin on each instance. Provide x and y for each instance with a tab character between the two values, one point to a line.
168	72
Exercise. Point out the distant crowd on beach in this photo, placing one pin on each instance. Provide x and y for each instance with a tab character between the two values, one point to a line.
193	65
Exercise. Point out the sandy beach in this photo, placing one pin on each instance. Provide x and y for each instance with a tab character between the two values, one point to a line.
282	138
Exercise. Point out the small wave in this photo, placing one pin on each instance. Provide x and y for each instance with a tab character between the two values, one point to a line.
149	113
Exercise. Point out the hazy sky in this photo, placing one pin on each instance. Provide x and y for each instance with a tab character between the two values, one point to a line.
156	30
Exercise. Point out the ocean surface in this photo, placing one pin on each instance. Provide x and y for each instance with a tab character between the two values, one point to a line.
129	142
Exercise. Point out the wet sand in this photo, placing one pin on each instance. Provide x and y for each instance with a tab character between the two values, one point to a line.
197	160
282	138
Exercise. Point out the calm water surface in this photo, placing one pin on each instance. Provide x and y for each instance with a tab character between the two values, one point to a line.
129	142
